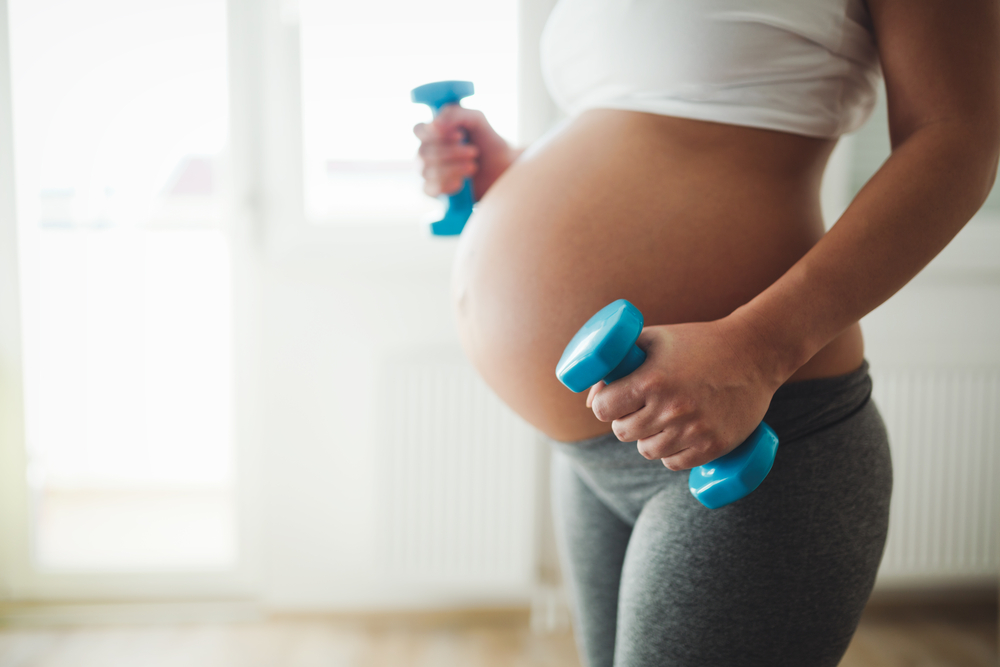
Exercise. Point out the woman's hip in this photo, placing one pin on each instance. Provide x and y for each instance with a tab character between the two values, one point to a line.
833	457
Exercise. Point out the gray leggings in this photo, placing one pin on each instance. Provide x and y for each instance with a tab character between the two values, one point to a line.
777	578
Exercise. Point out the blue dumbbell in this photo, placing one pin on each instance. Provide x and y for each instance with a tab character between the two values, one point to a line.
604	349
437	95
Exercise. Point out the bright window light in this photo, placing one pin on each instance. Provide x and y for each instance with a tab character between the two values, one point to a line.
120	123
359	62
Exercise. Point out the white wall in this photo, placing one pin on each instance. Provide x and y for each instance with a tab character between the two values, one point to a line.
326	330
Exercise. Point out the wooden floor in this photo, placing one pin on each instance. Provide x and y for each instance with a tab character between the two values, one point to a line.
926	635
898	636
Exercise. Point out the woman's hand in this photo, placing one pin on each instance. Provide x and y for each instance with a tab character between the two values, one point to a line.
701	391
447	161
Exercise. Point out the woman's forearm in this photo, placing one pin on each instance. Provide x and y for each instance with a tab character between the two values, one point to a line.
908	212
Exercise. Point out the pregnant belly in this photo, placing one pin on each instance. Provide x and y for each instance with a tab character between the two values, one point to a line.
686	219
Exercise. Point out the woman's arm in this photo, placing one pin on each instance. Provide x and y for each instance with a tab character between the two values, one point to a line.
941	63
710	383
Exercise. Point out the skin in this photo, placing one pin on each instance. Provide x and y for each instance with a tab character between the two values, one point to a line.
714	232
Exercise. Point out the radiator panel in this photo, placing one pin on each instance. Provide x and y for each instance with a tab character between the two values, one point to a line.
944	434
458	488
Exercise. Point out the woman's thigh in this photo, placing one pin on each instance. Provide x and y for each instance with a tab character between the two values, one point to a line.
592	542
778	578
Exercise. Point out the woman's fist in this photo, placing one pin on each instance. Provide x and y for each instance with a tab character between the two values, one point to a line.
701	391
447	161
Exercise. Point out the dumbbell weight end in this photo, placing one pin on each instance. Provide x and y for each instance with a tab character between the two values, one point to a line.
736	474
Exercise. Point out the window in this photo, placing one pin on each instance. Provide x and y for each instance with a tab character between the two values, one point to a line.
120	124
870	147
359	62
153	179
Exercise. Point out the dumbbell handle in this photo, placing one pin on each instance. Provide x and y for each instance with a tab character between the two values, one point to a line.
633	359
460	202
437	96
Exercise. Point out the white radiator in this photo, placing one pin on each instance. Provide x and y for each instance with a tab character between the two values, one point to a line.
944	431
458	480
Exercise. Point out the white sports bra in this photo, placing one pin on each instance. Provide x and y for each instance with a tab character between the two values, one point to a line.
802	66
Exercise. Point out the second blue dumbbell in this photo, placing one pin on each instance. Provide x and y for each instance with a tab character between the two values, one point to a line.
604	349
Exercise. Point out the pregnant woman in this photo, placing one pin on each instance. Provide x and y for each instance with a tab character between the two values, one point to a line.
687	180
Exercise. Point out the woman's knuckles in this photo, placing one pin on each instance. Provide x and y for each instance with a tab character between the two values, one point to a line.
620	430
608	407
677	463
650	449
681	406
602	406
633	428
659	447
441	153
456	116
423	131
700	436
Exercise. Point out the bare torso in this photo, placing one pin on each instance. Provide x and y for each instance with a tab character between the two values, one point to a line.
686	219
